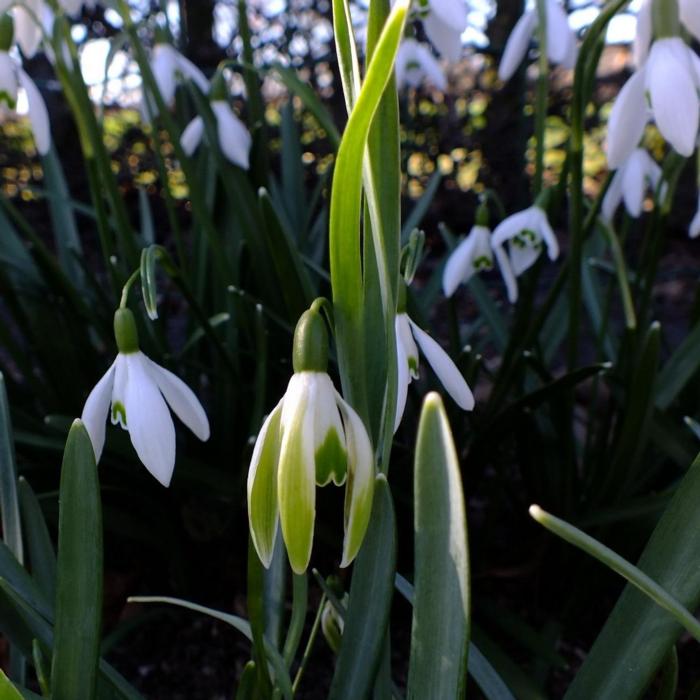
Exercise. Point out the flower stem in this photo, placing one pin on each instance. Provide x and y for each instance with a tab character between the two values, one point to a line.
309	644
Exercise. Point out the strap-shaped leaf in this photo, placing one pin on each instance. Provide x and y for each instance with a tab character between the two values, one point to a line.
440	631
79	585
9	504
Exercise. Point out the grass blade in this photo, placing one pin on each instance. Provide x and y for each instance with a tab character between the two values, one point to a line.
9	503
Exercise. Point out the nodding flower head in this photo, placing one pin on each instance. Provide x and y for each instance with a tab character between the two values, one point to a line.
312	437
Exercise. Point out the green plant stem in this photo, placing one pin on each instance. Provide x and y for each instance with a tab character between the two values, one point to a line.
620	566
309	644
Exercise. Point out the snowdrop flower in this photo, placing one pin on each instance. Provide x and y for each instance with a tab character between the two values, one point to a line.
415	63
28	16
561	40
688	13
629	183
167	65
409	337
444	25
312	437
668	83
139	392
526	233
472	255
13	79
234	138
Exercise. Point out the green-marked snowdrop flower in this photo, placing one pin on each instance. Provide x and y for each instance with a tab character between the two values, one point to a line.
415	63
13	79
312	437
637	173
561	40
526	233
234	138
139	392
409	337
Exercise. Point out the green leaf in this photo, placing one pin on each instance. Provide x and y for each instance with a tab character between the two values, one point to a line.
7	690
367	617
346	51
238	623
669	677
79	585
246	685
440	630
9	504
679	369
42	556
149	287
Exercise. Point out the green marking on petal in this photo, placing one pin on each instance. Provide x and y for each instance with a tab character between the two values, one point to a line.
6	98
331	460
119	414
413	366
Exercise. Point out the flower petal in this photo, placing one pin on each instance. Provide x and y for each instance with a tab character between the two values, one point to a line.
403	380
446	39
633	182
38	114
628	118
96	410
459	267
642	37
263	509
27	29
517	45
181	399
234	139
673	93
507	273
522	257
559	34
192	72
690	16
192	135
613	196
148	420
8	79
445	369
694	228
404	337
512	226
330	454
546	232
296	473
360	487
452	12
163	64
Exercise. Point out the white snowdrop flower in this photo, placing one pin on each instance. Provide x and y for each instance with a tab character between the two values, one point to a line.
312	437
234	139
415	63
665	89
526	233
139	392
561	40
472	255
445	35
168	66
410	337
13	79
629	183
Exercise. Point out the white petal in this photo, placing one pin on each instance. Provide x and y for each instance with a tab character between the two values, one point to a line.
694	229
459	267
27	28
545	231
190	71
405	338
181	399
522	257
628	118
163	64
673	93
506	271
613	196
71	7
569	60
234	139
8	77
192	135
690	16
118	411
96	410
445	369
148	420
513	226
446	39
642	38
517	45
452	12
559	35
38	114
633	182
402	382
328	426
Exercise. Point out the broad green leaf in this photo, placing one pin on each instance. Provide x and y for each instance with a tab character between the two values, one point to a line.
238	623
256	614
367	617
346	51
669	677
8	691
40	551
441	615
246	684
638	635
9	503
24	584
300	601
679	369
79	584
